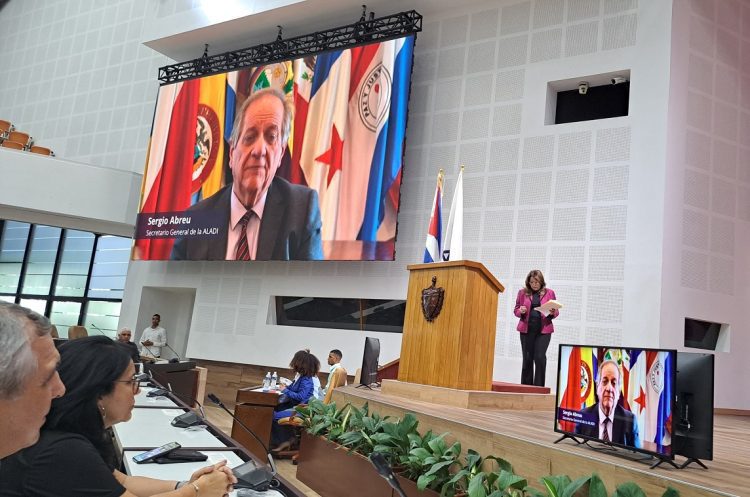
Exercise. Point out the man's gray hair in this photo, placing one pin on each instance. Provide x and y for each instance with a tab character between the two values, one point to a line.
601	368
124	328
286	122
17	361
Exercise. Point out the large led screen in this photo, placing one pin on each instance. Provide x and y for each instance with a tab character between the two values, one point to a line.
618	396
298	160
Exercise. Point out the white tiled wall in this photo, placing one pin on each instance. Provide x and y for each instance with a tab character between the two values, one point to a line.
565	199
75	76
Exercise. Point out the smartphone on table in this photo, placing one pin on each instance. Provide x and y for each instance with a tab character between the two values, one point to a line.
157	452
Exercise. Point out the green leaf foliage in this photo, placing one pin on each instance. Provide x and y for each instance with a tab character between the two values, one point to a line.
430	461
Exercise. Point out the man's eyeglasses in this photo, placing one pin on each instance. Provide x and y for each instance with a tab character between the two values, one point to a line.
135	381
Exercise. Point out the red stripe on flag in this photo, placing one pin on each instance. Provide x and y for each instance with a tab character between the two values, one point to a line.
301	105
171	188
361	58
571	398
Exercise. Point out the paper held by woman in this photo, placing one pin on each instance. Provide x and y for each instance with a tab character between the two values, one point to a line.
547	307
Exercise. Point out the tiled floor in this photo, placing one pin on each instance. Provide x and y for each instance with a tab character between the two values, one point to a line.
284	466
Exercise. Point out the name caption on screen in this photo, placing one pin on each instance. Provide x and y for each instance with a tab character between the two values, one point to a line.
164	220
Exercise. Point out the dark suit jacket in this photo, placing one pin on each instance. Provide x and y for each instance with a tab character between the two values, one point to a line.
289	230
132	350
624	427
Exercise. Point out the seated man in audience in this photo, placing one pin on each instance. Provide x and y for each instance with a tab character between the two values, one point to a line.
28	376
334	363
123	336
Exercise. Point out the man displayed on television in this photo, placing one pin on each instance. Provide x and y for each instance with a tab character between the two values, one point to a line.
259	216
607	420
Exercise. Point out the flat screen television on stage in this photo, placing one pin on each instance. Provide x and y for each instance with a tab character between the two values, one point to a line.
369	371
618	396
694	413
330	190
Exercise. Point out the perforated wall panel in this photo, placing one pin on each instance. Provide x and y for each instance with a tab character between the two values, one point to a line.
581	38
604	304
538	152
509	85
569	224
574	148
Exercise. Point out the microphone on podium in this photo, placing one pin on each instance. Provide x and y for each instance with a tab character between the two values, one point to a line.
176	357
249	475
384	469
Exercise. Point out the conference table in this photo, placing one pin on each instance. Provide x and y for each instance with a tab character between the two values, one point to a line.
150	427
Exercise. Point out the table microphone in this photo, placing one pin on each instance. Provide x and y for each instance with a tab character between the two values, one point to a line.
100	331
249	475
189	418
384	469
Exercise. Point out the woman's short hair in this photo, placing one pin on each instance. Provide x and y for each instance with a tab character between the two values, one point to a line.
535	273
17	361
89	367
305	363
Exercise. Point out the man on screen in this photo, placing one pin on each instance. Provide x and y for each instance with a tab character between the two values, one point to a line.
259	216
606	420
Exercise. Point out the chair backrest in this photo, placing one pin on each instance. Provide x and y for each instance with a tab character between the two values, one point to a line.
77	332
20	137
53	332
35	149
12	144
337	379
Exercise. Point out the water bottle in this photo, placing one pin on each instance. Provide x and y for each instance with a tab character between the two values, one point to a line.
274	380
267	382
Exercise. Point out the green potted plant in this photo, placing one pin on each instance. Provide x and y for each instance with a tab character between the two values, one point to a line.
427	465
324	464
474	480
587	486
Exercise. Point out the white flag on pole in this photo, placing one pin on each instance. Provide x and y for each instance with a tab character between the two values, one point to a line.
454	235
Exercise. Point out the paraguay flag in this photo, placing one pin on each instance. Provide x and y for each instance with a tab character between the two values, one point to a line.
434	230
353	139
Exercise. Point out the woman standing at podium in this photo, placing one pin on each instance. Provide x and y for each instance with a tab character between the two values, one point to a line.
535	328
75	454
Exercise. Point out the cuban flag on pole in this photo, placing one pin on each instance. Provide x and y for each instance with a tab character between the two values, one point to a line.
454	233
434	230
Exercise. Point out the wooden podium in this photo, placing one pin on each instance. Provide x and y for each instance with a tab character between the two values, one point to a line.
255	410
457	348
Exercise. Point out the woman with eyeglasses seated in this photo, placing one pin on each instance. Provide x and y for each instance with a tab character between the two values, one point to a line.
75	455
306	367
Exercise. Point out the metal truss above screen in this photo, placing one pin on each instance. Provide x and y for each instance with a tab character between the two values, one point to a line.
363	31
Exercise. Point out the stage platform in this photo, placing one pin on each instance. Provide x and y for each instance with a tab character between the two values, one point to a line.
525	438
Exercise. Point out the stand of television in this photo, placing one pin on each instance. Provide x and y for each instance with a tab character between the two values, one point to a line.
666	394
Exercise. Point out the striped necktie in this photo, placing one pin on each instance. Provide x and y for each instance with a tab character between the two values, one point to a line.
605	434
242	252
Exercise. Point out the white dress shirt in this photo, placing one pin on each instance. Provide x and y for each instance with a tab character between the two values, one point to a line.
157	335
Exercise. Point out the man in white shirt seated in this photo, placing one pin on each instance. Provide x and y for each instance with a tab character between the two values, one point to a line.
334	363
153	338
